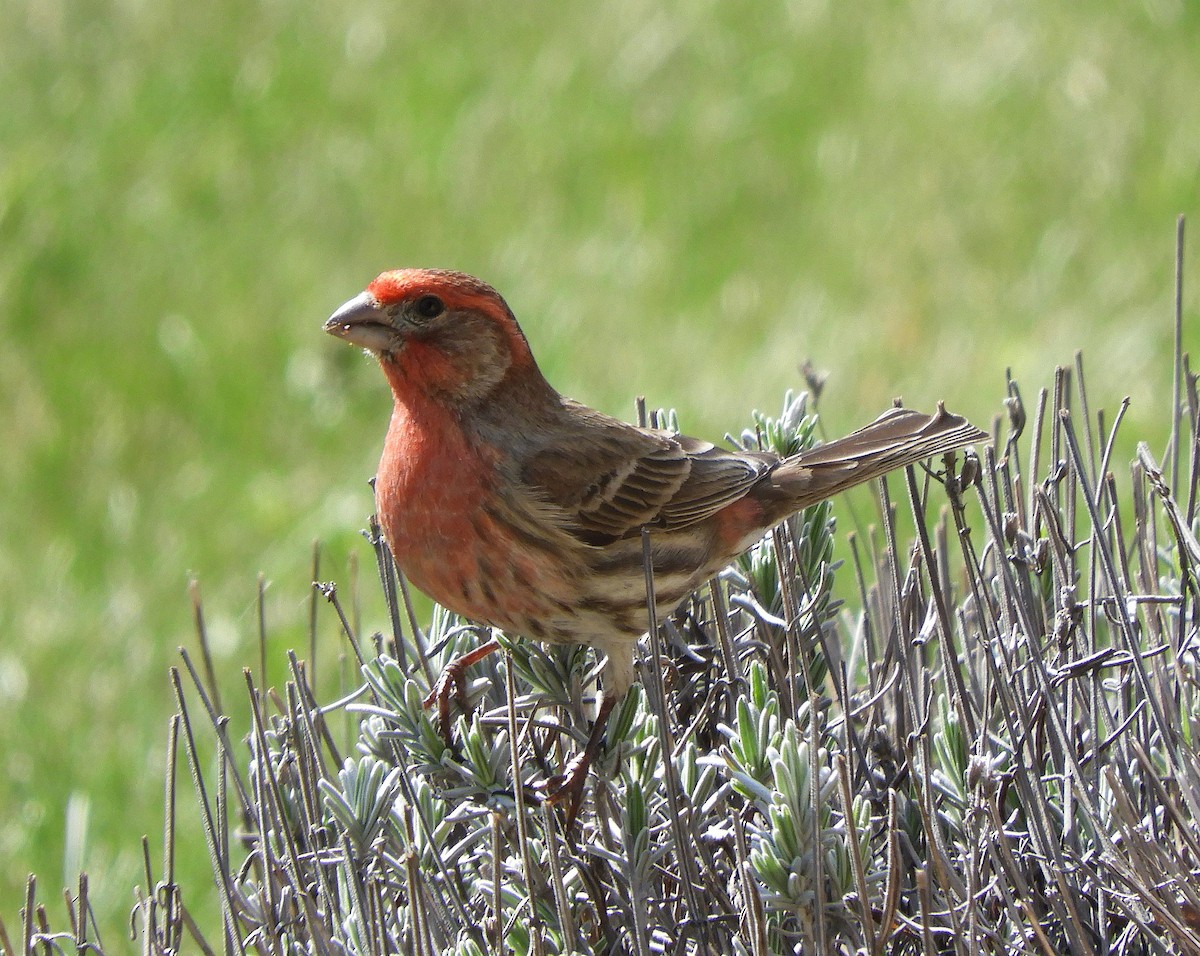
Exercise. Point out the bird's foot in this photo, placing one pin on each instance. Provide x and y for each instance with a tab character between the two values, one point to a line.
567	787
452	684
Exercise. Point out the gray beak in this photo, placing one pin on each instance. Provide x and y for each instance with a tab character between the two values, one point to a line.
361	322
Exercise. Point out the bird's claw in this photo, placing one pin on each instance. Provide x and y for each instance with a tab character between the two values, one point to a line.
451	683
567	787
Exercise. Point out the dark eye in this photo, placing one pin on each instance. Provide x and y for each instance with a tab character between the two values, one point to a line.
429	307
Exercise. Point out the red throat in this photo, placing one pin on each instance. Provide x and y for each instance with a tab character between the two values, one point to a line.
429	482
415	370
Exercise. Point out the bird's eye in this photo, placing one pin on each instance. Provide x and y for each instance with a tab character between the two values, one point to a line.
429	307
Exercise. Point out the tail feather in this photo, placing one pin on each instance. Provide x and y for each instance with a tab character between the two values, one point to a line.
899	437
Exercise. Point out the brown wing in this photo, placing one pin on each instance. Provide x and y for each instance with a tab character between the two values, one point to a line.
612	479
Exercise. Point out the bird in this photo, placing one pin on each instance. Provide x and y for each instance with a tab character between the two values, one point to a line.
523	510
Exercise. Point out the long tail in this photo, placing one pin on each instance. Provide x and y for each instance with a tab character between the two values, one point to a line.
898	437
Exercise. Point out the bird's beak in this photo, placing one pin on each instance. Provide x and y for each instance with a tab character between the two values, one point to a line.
361	322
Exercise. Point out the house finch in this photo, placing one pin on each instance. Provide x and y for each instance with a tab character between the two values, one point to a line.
516	507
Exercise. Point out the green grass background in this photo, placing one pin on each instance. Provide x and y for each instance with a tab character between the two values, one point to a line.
680	200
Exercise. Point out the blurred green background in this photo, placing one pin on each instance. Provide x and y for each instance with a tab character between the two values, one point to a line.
680	200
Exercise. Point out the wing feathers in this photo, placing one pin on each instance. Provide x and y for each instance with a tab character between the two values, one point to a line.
646	479
613	479
899	437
